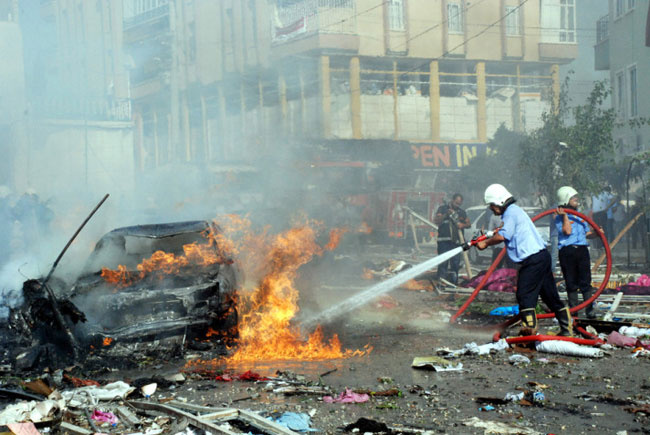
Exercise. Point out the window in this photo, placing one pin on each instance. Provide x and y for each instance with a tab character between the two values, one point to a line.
567	21
396	15
620	7
512	21
558	19
620	94
454	18
634	108
631	4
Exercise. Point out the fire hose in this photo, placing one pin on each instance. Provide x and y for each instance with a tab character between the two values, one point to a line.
514	319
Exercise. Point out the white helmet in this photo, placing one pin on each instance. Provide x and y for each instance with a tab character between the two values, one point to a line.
497	194
564	194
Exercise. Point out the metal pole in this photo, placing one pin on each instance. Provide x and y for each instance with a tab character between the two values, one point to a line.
50	293
627	205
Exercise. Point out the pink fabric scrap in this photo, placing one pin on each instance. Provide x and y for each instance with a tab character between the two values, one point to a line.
617	339
643	280
23	428
501	280
348	396
104	417
624	341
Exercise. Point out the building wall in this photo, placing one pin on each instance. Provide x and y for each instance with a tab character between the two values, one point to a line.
244	77
628	51
63	156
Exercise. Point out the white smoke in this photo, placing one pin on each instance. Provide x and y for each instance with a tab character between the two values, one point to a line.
12	276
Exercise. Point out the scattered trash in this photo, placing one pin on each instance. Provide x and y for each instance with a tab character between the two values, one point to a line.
436	363
517	359
366	425
149	389
104	417
633	331
295	421
33	411
514	397
493	427
487	408
246	376
505	311
473	348
23	428
348	396
568	348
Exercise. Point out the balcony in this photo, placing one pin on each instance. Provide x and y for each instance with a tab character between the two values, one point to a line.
139	16
88	109
315	24
601	49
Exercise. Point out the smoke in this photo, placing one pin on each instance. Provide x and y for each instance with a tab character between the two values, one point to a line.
12	276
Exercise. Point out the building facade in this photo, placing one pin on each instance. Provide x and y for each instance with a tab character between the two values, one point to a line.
621	49
71	121
234	80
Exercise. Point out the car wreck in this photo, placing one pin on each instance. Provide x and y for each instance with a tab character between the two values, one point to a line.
161	284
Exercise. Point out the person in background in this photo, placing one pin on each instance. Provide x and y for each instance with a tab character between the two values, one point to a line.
451	219
601	207
574	249
526	248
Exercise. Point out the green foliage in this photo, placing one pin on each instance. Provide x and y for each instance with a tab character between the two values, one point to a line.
590	146
499	165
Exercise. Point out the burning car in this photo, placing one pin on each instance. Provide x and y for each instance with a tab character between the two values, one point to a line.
162	281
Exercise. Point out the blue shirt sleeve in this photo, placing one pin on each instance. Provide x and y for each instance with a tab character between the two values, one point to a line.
508	228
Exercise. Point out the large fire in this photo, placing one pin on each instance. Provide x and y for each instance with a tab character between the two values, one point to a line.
268	300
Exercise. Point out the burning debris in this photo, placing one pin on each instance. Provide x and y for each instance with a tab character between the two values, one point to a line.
177	285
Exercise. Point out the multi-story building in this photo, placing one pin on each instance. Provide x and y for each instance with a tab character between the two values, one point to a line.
431	81
75	128
621	49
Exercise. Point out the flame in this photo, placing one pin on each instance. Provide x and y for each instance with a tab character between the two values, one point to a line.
416	285
335	238
197	254
364	228
107	341
270	301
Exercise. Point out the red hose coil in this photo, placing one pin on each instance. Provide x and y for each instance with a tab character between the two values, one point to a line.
494	264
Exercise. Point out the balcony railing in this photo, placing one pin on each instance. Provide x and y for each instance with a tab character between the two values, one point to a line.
83	109
294	19
142	16
602	29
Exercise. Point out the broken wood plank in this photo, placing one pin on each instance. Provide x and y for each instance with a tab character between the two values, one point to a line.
617	300
616	239
227	414
193	419
72	429
127	416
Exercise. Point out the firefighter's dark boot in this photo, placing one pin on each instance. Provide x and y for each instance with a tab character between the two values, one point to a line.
572	298
528	322
566	322
590	312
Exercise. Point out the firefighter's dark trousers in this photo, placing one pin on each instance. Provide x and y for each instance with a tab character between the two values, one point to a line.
576	269
449	269
535	279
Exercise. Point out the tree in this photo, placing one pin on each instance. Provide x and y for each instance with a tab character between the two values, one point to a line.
576	154
500	164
